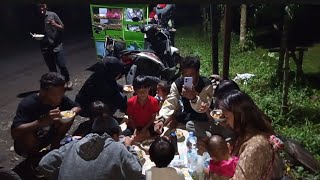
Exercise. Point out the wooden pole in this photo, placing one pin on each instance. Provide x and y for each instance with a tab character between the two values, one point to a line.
227	41
283	46
285	86
215	23
204	21
284	55
299	76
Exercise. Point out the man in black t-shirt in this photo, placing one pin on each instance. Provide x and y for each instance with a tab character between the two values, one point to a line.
37	122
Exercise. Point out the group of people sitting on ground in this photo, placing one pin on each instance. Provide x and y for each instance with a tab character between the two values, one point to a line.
103	151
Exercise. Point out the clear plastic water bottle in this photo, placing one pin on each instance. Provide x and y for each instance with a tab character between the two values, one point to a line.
201	165
206	158
192	155
192	141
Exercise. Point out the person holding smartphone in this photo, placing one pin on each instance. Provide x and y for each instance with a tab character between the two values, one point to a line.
186	96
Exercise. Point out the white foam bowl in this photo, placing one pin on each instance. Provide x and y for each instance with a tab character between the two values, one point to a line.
38	37
217	111
66	119
128	88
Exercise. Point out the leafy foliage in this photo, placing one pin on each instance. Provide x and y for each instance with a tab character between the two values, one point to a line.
249	42
302	122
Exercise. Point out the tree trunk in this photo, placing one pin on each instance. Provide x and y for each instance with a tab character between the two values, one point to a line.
215	17
221	9
283	47
204	20
299	76
284	55
227	41
285	85
243	25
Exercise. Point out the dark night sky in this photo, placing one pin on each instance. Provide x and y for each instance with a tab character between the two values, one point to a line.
20	19
17	20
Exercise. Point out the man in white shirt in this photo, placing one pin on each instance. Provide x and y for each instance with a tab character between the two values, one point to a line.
183	104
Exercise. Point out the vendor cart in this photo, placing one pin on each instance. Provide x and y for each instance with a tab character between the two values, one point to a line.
119	21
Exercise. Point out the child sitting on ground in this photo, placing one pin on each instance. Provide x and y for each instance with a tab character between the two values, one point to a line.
162	153
163	89
222	164
99	111
103	123
142	110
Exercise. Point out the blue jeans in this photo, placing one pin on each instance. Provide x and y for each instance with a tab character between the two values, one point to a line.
54	59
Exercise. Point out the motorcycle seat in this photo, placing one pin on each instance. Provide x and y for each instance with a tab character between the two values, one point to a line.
135	51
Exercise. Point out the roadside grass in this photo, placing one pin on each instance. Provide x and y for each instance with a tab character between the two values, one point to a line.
303	120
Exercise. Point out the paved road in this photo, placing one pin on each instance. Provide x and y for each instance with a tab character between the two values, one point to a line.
21	66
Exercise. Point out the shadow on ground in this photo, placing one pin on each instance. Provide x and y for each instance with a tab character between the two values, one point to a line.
25	94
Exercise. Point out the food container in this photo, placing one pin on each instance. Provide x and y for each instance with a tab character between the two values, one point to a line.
38	37
174	141
128	89
216	114
67	116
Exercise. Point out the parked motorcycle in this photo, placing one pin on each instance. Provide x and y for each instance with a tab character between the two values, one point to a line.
159	40
160	60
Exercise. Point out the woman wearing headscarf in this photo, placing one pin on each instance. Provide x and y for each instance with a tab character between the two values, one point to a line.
102	86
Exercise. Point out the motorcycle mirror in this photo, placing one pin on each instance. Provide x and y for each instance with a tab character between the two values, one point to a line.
97	31
142	28
135	19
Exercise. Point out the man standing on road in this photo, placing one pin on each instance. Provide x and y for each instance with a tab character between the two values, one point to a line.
51	45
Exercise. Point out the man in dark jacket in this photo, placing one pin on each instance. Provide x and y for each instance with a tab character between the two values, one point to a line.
102	86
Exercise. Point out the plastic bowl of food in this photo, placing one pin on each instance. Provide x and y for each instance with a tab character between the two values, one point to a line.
128	88
180	136
217	115
38	37
67	116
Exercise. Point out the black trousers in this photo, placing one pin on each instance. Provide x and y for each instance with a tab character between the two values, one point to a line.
54	59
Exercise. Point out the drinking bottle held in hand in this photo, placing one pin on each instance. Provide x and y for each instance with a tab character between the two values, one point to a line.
174	141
